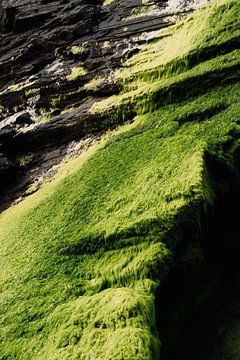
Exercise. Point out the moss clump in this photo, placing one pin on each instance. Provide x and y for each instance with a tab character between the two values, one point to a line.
55	102
32	189
32	92
94	83
77	73
24	160
78	49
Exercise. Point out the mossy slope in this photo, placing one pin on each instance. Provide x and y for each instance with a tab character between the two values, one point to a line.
79	269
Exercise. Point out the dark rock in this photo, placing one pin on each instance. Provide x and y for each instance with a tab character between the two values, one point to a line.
7	172
24	119
10	126
7	17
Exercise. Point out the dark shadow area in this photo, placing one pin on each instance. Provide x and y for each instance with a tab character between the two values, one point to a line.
198	306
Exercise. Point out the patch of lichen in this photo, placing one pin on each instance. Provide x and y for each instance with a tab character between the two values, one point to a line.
94	83
107	2
77	73
32	92
21	86
79	49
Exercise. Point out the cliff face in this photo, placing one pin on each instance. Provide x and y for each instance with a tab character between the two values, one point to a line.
119	134
56	59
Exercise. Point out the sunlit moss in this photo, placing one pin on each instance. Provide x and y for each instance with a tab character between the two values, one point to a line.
32	92
94	83
107	2
20	86
77	73
78	49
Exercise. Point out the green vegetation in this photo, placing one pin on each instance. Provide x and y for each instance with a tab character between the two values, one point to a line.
55	102
94	83
32	189
107	2
144	10
32	92
45	118
20	86
77	73
78	49
81	259
206	33
191	45
25	159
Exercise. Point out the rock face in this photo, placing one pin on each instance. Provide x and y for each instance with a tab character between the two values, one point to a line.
56	59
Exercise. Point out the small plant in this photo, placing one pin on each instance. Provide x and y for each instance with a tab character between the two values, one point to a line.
24	160
31	92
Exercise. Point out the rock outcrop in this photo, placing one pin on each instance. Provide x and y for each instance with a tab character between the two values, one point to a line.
56	59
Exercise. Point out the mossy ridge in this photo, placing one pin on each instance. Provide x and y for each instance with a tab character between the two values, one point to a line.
196	44
64	298
208	32
145	97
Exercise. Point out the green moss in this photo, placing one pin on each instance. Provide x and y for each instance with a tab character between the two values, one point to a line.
57	53
106	44
81	258
55	102
77	73
78	49
141	11
148	96
32	189
24	159
32	92
20	86
94	83
107	2
44	118
182	46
